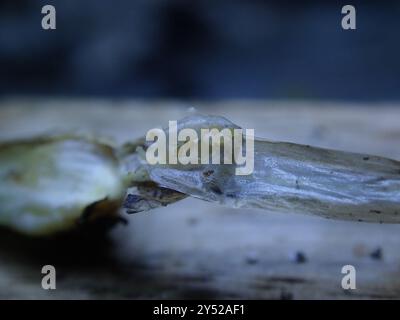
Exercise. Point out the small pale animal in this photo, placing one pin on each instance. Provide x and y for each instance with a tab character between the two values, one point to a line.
50	185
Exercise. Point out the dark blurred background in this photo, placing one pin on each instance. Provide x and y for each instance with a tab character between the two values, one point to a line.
201	49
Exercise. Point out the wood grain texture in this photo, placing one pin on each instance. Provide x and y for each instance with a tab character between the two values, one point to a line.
194	249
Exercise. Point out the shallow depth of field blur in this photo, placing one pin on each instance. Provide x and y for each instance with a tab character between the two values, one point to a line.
287	69
201	49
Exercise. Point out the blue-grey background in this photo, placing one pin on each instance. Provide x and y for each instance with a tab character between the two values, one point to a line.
201	49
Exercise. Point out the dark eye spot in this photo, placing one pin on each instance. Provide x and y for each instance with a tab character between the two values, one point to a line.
208	173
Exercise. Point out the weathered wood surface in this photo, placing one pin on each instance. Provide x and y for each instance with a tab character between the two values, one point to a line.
194	249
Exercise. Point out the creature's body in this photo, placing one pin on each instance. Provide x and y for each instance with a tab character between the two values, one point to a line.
49	185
